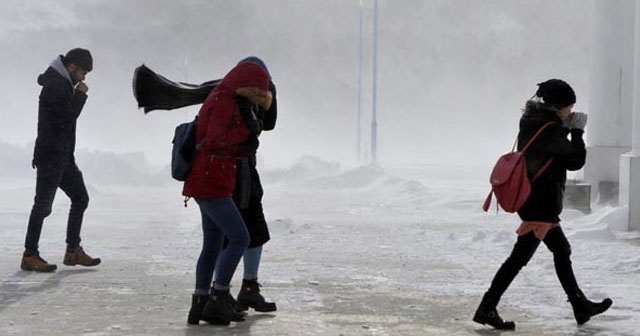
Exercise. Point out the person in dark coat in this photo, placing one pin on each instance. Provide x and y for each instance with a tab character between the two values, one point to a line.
62	98
553	102
248	197
221	130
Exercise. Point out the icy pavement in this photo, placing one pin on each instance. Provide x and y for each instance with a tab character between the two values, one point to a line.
356	253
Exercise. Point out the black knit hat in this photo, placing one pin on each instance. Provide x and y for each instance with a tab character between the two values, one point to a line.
556	92
80	57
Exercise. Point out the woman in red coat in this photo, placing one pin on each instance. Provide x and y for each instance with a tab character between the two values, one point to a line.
220	130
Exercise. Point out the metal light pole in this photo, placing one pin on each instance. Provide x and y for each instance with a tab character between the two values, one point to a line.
374	118
358	140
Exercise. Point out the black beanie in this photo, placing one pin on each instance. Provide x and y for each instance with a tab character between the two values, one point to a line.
80	57
556	92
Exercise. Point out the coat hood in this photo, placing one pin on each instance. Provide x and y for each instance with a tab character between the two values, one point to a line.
258	61
536	112
246	74
55	69
250	80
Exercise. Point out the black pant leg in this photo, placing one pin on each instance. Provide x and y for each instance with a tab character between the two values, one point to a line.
558	244
522	252
73	185
47	180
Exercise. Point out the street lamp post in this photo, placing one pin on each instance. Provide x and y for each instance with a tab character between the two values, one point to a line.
358	140
374	117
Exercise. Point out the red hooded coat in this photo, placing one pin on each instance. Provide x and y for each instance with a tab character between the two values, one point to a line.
220	129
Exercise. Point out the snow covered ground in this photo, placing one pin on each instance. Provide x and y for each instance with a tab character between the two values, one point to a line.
354	251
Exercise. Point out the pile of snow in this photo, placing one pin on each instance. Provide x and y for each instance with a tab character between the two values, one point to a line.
306	167
120	169
99	168
606	223
343	191
15	162
418	191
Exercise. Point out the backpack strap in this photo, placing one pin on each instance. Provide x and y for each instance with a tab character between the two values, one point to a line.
487	201
546	164
542	169
535	136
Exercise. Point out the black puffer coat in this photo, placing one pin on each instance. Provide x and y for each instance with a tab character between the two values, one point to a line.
59	107
545	201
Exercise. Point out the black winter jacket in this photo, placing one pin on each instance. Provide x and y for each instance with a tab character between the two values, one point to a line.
545	201
58	110
266	120
248	188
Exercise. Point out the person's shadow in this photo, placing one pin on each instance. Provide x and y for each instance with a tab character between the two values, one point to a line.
18	285
493	332
235	328
584	330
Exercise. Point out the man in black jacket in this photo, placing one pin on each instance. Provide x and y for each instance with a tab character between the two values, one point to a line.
62	98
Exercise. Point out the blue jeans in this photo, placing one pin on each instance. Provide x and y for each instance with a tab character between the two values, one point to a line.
251	261
220	218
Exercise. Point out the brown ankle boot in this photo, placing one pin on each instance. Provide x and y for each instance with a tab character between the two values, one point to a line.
77	256
33	262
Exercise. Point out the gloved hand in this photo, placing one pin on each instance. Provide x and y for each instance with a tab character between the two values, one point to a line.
246	108
576	120
246	112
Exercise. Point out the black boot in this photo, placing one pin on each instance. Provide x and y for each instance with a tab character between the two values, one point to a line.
583	309
221	306
487	314
198	301
250	296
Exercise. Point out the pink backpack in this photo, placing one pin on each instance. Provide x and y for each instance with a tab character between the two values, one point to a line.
509	181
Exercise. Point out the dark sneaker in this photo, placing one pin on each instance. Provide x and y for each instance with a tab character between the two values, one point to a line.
250	296
33	262
77	256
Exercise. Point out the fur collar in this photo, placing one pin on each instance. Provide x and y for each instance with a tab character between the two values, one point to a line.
533	107
256	96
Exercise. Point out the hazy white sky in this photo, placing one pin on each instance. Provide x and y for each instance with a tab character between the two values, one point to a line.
452	74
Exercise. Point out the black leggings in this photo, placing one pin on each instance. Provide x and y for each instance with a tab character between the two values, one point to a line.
522	252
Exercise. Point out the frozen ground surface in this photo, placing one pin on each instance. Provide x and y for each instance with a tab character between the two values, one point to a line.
365	251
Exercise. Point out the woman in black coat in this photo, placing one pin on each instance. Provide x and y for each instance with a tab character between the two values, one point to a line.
554	154
248	197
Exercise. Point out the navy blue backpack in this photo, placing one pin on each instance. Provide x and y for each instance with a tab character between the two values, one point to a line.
184	150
